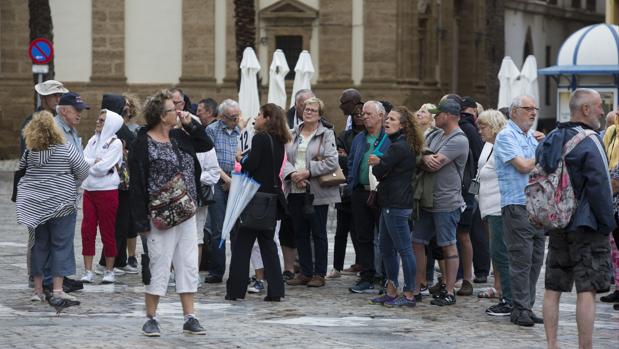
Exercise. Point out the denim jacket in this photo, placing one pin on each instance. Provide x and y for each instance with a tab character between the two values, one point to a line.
359	147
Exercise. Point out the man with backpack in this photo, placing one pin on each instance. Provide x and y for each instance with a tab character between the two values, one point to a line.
578	253
514	154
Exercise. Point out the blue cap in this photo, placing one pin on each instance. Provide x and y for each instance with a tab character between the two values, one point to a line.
73	99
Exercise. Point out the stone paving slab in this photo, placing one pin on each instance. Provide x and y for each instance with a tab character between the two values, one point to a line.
111	316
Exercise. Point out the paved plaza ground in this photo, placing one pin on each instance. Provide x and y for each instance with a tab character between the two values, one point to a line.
111	316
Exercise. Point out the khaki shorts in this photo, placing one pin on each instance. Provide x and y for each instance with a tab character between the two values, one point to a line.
581	257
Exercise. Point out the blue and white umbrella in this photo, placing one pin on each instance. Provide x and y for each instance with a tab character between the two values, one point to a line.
242	190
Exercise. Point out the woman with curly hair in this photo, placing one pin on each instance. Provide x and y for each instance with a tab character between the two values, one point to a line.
46	202
162	163
394	170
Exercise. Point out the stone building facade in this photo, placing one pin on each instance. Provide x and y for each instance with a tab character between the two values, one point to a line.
406	51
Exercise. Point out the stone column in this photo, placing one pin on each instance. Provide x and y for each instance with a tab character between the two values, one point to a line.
380	40
14	40
108	41
232	68
198	41
335	41
408	42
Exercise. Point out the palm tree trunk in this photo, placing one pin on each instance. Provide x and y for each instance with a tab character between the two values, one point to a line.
495	47
245	30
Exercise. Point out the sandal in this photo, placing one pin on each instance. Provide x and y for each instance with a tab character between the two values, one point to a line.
489	292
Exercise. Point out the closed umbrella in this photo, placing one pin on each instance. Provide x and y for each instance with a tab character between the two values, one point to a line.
249	102
242	190
304	70
508	75
277	75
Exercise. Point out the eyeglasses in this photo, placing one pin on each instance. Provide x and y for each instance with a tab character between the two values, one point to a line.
231	117
529	109
310	110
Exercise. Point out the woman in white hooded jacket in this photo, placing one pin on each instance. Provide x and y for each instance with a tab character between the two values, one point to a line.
102	153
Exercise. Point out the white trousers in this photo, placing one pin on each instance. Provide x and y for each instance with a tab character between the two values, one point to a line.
176	247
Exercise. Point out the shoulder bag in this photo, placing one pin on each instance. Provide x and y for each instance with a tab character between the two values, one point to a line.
172	205
330	179
261	212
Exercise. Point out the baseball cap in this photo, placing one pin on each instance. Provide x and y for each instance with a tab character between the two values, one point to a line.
73	99
468	102
446	106
50	87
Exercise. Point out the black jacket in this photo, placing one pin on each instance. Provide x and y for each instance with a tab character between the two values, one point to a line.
344	141
395	174
263	166
476	145
139	167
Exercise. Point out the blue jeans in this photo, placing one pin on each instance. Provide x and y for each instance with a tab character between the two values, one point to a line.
216	214
53	247
314	228
498	250
395	235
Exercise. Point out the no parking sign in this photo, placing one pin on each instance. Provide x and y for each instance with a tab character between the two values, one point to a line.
41	51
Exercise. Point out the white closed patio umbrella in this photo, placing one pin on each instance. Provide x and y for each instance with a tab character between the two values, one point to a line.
249	102
304	70
508	76
277	79
528	82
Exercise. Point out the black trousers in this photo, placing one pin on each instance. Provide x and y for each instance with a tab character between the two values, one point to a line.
481	246
123	226
344	226
364	222
236	286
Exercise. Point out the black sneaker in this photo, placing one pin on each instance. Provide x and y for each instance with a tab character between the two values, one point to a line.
151	328
363	287
611	297
442	292
70	285
132	261
438	289
446	299
287	275
192	326
535	318
522	318
501	309
213	279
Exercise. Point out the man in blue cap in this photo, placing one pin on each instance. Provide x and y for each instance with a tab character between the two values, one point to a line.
69	110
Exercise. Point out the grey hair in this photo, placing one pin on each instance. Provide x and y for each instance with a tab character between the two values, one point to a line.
580	97
302	92
226	104
517	102
378	106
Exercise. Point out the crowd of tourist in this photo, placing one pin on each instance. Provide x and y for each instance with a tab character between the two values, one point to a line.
447	183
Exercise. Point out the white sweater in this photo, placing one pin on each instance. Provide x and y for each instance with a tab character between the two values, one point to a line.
102	153
489	196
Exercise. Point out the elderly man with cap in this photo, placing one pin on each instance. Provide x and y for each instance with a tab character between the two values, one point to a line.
49	91
69	110
450	150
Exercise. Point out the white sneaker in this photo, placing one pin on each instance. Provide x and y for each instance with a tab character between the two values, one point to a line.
37	297
172	280
99	270
128	269
119	272
334	274
87	277
109	277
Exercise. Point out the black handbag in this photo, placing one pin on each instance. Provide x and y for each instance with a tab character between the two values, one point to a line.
206	195
16	177
261	212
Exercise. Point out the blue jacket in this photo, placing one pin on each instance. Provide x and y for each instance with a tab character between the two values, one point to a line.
588	171
358	148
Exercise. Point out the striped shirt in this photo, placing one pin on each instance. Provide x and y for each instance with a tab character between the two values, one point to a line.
49	187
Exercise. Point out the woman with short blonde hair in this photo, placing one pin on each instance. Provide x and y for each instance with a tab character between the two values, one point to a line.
425	119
